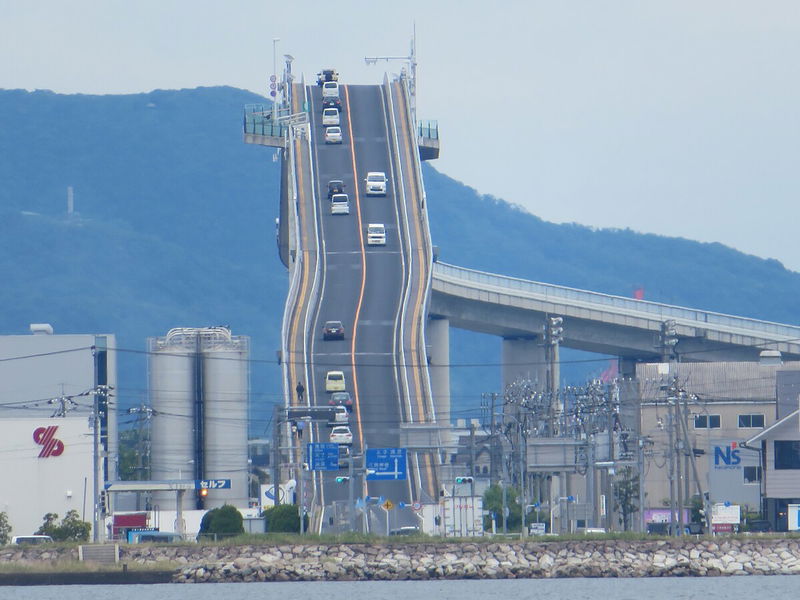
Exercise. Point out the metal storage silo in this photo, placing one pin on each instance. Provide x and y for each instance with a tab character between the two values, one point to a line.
172	396
199	393
225	390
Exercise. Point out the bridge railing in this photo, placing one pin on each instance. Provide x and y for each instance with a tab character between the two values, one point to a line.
655	310
257	120
428	129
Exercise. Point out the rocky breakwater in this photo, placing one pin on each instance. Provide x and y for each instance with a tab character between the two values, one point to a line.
604	558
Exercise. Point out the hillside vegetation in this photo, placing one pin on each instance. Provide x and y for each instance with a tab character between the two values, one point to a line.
174	226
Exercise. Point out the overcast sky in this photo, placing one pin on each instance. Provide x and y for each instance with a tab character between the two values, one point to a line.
674	117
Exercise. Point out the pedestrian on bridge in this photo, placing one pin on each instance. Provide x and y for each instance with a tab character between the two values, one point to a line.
300	389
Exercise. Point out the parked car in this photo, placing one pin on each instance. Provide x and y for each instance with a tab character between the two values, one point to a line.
341	434
334	381
31	539
335	186
341	399
333	135
376	183
340	204
330	116
333	330
376	234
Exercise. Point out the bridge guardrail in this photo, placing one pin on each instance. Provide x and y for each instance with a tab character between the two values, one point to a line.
646	308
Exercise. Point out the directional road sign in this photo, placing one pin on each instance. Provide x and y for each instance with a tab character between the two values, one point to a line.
212	484
323	456
387	464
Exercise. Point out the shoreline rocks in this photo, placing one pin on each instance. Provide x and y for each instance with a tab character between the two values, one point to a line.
484	559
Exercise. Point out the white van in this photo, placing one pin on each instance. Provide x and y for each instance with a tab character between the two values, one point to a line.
376	234
330	89
340	204
330	116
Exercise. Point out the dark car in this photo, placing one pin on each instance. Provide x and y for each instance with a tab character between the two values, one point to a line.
333	330
341	399
335	186
332	102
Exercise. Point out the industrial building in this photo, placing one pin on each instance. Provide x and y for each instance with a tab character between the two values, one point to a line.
54	389
725	405
199	387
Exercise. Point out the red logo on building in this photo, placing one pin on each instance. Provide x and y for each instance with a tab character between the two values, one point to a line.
46	438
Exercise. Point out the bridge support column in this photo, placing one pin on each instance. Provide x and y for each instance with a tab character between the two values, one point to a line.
627	367
438	336
524	358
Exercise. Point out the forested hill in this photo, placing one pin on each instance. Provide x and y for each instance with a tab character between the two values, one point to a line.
175	219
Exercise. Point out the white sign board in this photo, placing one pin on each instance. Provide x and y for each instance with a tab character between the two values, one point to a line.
730	514
793	517
537	528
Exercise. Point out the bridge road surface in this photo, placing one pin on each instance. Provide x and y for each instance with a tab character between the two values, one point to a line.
361	285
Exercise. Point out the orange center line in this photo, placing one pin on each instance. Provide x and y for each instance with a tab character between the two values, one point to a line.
356	401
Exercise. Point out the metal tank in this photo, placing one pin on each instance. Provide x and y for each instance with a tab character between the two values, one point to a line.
199	394
172	392
225	376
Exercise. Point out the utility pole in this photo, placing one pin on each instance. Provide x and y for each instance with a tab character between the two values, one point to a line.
276	453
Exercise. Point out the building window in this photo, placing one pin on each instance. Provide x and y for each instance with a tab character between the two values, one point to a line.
752	474
787	455
706	422
751	421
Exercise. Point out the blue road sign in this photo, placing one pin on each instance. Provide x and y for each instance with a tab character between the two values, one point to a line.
212	484
386	464
322	456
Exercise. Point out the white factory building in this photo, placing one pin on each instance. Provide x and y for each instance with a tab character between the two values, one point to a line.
49	387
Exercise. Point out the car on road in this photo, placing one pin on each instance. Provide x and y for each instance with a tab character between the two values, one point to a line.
333	330
334	381
341	399
335	186
332	102
327	75
340	416
333	135
340	204
376	234
376	183
330	116
31	539
330	89
341	434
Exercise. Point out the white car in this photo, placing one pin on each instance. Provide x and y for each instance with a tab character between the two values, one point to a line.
330	89
333	135
330	116
376	183
340	415
340	204
341	434
376	234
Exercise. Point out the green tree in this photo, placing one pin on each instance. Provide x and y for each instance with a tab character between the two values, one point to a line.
71	528
493	503
224	521
5	529
284	518
133	458
626	496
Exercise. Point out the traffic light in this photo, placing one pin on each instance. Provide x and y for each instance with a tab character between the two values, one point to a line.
342	479
463	479
202	493
102	502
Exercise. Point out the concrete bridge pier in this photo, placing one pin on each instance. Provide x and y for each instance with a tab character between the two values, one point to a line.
524	358
438	338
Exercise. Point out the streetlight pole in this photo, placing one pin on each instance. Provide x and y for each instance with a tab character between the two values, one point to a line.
275	75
